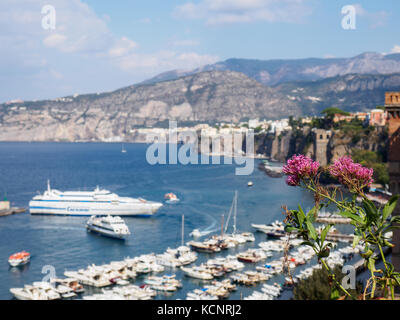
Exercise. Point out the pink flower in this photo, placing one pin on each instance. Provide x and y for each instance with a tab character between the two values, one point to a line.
351	174
300	167
293	180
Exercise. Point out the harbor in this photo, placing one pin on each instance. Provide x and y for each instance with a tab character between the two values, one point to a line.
135	279
247	264
217	277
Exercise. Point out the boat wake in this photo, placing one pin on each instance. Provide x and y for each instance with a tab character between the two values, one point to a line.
210	229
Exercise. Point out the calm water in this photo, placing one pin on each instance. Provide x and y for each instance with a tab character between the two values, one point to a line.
206	192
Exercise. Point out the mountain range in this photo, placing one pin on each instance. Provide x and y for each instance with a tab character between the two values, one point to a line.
273	72
233	90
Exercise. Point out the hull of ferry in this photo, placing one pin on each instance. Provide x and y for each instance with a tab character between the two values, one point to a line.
55	207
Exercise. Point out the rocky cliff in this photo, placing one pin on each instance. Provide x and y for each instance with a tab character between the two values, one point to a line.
204	97
302	141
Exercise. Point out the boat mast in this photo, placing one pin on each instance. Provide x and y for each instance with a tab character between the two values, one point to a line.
183	228
230	213
222	226
48	185
234	213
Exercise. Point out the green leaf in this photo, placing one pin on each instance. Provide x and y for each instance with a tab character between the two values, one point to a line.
312	214
356	240
371	264
335	294
301	216
397	279
325	232
389	207
352	216
311	230
307	243
370	210
324	253
290	229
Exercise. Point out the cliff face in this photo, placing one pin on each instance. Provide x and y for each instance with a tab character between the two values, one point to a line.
215	96
303	141
206	97
342	143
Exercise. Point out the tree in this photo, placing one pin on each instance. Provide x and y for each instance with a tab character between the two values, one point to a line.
330	112
373	160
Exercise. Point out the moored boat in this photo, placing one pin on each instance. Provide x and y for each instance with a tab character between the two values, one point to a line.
19	258
171	198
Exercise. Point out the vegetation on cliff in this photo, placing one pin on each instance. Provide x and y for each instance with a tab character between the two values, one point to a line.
372	160
317	288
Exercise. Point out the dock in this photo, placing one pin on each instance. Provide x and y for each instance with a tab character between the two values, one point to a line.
334	220
8	212
339	237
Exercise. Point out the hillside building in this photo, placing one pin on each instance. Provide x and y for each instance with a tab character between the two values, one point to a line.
392	107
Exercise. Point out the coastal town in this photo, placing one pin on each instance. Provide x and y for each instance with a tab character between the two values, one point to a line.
200	155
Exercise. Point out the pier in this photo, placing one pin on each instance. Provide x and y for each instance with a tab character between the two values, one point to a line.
8	212
334	220
339	237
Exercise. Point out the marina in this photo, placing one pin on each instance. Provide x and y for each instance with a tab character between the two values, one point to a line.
158	247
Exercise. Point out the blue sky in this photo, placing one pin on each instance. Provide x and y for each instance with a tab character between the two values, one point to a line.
100	45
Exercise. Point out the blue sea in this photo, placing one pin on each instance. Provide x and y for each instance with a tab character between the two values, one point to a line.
62	243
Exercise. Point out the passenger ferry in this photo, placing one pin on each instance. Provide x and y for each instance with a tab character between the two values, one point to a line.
88	203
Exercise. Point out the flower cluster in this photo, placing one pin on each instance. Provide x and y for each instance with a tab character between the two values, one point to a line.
300	167
353	175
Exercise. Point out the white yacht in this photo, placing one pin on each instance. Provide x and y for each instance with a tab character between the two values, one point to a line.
110	226
88	203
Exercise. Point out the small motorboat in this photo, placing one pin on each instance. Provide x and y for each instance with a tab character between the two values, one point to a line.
171	198
195	233
250	183
19	258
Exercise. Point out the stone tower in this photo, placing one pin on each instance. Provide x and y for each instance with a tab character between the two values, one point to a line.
392	106
321	140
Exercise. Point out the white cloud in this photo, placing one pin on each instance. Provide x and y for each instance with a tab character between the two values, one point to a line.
164	60
375	19
245	11
54	40
76	55
395	49
122	47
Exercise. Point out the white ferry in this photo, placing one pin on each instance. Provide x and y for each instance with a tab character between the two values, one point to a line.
110	226
88	203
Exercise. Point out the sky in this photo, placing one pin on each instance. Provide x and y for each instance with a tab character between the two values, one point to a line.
55	48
